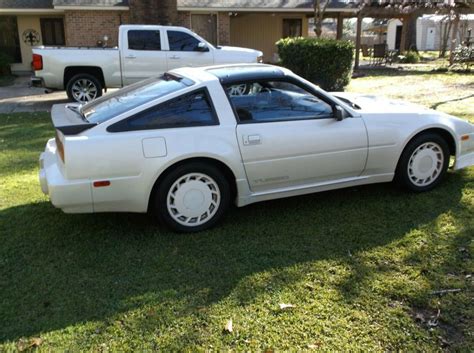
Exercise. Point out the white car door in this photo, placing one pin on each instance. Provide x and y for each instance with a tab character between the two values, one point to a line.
186	50
289	137
143	56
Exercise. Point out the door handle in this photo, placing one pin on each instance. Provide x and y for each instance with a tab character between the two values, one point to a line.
130	57
252	140
174	57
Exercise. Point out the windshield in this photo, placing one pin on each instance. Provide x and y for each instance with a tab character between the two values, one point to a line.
128	98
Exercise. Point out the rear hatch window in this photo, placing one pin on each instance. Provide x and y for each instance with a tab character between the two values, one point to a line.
114	104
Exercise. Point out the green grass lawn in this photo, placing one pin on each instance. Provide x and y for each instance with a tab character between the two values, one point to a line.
359	265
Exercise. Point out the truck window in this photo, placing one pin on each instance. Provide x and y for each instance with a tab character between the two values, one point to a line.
144	40
180	41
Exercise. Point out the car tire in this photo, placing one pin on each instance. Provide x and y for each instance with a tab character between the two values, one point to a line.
83	88
423	163
192	197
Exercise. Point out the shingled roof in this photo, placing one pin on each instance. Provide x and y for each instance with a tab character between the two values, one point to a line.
305	5
26	4
95	3
262	4
49	4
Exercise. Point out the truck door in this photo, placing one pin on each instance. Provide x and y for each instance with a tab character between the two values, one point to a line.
142	55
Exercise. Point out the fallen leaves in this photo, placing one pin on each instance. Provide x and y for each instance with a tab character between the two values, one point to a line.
284	306
25	344
444	291
228	326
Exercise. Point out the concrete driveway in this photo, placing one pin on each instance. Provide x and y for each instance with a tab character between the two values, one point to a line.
19	97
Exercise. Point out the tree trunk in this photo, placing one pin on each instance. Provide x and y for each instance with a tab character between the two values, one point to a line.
403	39
453	39
358	41
445	36
340	26
318	18
411	32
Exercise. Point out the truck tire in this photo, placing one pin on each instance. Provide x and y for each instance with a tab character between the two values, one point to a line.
83	88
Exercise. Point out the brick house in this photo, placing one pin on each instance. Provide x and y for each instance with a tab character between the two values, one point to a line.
248	23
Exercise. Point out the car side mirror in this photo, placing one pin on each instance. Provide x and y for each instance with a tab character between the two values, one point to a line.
339	113
202	47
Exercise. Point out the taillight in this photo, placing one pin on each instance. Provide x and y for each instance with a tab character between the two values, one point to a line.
60	147
37	62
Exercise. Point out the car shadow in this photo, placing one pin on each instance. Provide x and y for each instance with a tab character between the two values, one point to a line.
58	270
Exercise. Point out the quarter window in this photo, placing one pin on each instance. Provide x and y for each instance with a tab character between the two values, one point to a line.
275	101
194	109
180	41
144	40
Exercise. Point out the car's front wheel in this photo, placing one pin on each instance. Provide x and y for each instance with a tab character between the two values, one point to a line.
192	197
423	163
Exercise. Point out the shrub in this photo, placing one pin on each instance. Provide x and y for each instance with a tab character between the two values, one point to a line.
464	56
326	62
411	57
5	61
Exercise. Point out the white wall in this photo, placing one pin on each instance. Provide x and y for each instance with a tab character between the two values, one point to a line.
24	23
392	33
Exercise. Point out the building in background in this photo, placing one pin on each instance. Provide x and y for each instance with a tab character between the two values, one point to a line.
428	31
254	24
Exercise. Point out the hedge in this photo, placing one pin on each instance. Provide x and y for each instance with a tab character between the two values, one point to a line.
326	62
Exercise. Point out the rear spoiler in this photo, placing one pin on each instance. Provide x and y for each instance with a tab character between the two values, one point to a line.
67	119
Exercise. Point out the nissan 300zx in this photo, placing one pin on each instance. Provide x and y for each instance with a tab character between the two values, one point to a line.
186	145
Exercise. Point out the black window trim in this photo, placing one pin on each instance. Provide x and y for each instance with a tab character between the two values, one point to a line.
289	79
215	121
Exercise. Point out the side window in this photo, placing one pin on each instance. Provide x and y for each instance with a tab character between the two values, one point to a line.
144	40
193	109
267	101
180	41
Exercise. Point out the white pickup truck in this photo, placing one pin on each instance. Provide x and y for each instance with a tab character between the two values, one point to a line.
144	51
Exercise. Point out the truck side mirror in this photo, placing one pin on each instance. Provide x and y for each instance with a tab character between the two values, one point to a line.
202	47
339	113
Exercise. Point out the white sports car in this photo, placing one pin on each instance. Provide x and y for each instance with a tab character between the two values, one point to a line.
185	145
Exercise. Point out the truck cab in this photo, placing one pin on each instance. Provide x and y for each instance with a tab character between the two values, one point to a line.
144	51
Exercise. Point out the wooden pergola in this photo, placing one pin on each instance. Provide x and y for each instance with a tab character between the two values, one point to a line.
392	9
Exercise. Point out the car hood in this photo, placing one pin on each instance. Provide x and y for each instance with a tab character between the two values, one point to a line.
241	50
378	104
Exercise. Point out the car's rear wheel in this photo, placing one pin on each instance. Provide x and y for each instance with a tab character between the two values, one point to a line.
192	197
423	163
83	88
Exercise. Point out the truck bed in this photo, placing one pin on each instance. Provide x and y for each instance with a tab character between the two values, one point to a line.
57	60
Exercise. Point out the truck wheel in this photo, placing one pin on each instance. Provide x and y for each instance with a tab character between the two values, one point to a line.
83	88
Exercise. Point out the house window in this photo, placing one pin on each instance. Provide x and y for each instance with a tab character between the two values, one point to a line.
52	30
292	27
9	39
